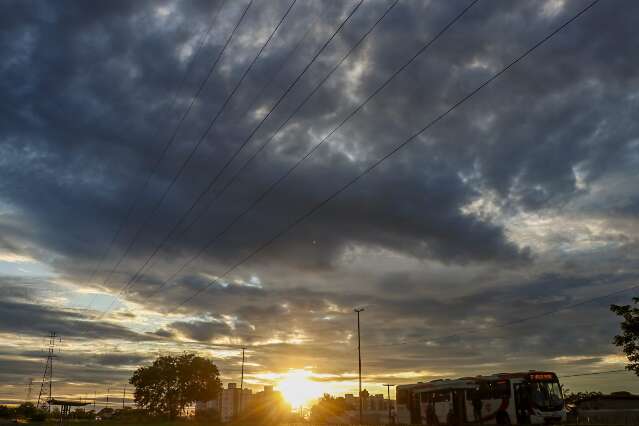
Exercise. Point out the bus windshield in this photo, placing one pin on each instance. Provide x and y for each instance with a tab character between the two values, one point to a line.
547	394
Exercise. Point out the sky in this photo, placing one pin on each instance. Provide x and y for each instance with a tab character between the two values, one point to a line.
162	190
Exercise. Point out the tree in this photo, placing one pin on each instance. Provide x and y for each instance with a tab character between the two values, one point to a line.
27	410
571	398
628	340
5	412
327	407
171	383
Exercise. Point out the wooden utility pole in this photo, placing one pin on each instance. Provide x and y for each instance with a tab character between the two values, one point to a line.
359	357
123	395
390	418
239	405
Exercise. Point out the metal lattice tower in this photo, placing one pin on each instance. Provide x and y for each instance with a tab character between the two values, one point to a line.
47	376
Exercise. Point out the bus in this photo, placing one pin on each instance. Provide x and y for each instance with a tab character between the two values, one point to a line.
532	397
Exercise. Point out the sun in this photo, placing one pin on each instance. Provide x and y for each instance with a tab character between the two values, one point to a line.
298	387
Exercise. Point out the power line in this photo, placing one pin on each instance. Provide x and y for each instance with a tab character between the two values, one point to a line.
594	373
299	162
253	132
294	112
136	199
283	177
256	98
218	194
195	148
171	139
280	67
397	148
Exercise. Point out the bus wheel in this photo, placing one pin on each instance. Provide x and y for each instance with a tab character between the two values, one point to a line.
502	418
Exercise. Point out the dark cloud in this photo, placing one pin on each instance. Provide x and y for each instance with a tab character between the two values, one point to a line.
202	330
59	162
23	312
520	202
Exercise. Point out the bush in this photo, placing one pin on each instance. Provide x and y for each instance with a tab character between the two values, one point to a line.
5	412
38	416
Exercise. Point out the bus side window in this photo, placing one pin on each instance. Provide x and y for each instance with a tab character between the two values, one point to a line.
402	397
484	390
501	389
424	396
441	396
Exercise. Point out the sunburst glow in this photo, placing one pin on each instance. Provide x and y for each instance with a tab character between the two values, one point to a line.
299	389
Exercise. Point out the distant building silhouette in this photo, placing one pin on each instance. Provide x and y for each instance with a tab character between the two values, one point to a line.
374	407
227	404
267	404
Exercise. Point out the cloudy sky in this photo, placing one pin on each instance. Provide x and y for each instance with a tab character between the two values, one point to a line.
139	145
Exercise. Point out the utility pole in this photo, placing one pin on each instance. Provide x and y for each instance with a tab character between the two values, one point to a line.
239	407
29	385
107	401
123	395
95	394
359	357
390	418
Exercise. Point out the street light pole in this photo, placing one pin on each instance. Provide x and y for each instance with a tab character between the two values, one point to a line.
388	386
239	408
359	357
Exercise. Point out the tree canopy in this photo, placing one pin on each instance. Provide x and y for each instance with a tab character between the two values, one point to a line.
628	340
576	397
327	407
173	382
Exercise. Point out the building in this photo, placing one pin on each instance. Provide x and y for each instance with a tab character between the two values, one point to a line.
375	402
266	404
374	410
228	404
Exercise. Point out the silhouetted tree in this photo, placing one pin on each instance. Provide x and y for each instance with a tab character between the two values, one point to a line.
573	398
327	407
171	383
628	340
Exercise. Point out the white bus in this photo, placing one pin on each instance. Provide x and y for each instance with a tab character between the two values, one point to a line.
533	397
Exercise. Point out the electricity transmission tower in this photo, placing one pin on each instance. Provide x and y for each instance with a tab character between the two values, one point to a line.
47	376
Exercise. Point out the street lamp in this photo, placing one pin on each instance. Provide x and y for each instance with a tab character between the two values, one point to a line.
359	357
